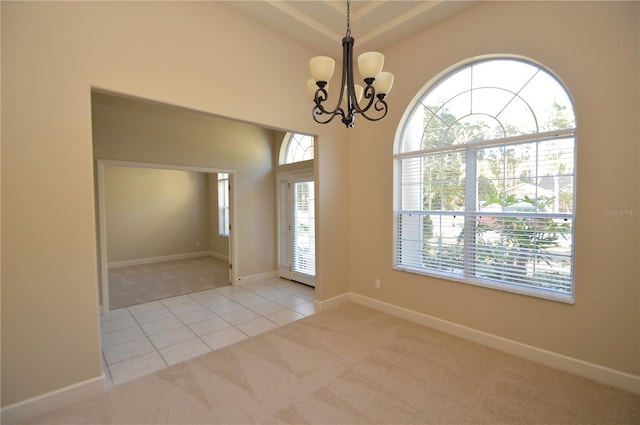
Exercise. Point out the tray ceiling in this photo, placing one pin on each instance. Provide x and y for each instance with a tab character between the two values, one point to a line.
374	24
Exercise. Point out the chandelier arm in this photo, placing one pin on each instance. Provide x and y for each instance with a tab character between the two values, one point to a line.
340	96
380	106
318	112
320	96
369	93
338	109
319	109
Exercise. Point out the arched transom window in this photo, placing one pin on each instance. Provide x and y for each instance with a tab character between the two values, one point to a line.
484	180
297	147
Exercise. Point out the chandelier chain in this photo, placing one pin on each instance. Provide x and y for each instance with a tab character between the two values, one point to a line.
348	19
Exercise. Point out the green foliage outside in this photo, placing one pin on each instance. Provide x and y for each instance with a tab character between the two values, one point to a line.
508	248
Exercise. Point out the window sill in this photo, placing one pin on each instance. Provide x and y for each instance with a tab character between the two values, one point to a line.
505	287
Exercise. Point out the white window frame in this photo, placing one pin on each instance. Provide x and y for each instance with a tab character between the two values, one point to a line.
470	211
292	144
223	204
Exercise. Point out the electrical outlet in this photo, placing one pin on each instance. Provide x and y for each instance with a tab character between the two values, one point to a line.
198	243
377	284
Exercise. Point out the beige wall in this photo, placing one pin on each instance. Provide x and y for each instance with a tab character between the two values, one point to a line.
130	130
198	55
593	47
155	213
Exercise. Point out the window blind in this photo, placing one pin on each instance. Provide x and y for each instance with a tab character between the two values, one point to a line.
303	249
470	214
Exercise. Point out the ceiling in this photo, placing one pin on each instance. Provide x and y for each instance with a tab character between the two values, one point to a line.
374	24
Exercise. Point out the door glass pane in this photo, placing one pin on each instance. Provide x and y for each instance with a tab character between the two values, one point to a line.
304	228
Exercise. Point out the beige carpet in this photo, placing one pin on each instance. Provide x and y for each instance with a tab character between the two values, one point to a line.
150	282
354	365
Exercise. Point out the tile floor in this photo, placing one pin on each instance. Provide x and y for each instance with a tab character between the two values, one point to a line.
144	338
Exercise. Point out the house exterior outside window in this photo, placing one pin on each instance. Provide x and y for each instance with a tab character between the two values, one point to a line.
484	172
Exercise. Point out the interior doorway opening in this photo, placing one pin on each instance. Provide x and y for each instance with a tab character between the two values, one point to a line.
201	260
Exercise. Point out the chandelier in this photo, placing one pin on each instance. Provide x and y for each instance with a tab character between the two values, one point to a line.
378	84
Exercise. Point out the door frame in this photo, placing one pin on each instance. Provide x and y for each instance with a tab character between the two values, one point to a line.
103	266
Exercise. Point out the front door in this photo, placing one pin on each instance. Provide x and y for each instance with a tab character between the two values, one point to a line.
297	229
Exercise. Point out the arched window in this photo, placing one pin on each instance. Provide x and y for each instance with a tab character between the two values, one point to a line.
484	180
296	148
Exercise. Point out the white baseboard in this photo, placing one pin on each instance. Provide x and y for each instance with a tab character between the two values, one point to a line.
218	256
46	403
331	302
256	277
151	260
602	374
